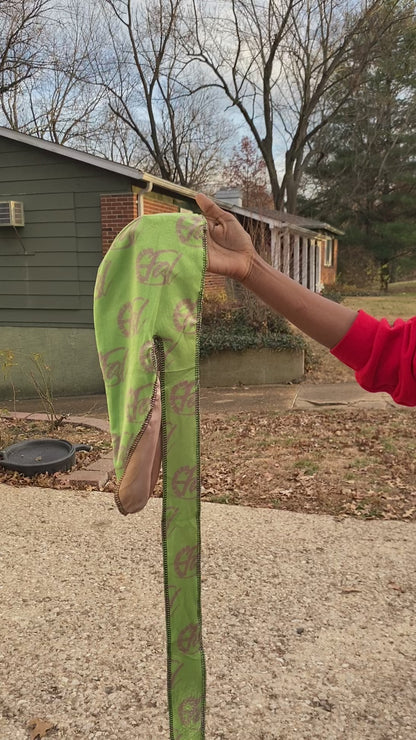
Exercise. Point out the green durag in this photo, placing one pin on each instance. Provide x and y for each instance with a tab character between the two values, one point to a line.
147	313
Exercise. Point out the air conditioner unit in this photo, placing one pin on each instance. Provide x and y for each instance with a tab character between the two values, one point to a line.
11	213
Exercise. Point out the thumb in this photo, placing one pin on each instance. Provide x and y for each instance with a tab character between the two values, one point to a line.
210	209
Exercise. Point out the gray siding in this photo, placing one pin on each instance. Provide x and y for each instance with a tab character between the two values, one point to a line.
52	284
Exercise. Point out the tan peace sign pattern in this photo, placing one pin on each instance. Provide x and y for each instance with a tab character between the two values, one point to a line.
126	239
157	267
189	639
184	482
189	229
138	402
183	398
184	316
186	561
103	281
113	365
131	316
190	711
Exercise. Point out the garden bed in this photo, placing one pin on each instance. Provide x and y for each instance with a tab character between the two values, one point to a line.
13	431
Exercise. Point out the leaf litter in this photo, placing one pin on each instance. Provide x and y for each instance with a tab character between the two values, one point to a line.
12	431
349	462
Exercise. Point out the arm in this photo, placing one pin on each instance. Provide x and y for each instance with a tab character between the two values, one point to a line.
383	356
321	319
231	253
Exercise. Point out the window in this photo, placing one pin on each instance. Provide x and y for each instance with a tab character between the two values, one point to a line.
329	253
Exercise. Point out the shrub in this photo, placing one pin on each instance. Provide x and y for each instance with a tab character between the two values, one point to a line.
332	292
339	291
228	325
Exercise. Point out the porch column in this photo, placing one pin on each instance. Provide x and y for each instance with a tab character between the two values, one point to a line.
275	248
318	262
296	249
312	267
304	256
286	252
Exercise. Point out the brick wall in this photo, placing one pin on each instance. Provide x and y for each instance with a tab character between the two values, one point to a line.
151	206
329	274
214	284
117	210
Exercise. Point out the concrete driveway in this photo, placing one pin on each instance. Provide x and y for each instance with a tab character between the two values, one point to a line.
308	622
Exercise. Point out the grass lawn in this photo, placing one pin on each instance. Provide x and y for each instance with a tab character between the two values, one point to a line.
391	306
396	304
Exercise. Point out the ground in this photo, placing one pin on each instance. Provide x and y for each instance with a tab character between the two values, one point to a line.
344	462
318	610
358	462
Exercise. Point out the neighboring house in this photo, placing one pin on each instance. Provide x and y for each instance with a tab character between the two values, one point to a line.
59	212
304	249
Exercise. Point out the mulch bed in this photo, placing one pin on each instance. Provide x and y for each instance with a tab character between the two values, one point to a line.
17	431
353	462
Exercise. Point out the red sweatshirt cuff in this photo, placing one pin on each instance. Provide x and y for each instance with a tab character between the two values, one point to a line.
355	347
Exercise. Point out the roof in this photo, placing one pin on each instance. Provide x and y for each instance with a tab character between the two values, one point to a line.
132	173
307	223
277	219
284	220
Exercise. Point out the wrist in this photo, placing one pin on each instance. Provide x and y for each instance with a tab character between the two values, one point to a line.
255	270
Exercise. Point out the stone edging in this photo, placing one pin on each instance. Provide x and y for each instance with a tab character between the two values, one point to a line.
97	473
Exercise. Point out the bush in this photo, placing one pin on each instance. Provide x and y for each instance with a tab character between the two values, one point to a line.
332	292
355	290
339	291
228	325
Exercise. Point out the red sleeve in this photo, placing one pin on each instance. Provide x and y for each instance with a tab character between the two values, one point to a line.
383	356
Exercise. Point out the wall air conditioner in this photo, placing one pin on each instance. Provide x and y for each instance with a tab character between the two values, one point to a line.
11	213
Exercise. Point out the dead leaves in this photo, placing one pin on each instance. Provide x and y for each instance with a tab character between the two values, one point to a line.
396	587
349	462
39	728
29	429
354	462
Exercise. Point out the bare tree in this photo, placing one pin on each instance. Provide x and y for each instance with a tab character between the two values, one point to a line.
57	100
147	86
278	63
21	52
246	169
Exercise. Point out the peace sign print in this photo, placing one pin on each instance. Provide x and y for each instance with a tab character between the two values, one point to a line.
183	398
103	282
189	639
184	482
138	402
190	711
184	316
186	561
189	229
147	356
156	267
131	316
113	366
125	239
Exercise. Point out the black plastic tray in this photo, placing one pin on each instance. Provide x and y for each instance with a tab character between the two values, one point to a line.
35	456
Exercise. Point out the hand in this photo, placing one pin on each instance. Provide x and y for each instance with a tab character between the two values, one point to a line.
230	249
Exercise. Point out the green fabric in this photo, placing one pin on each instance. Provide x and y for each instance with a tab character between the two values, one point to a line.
147	306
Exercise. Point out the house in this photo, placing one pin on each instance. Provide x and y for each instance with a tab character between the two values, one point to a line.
59	212
302	248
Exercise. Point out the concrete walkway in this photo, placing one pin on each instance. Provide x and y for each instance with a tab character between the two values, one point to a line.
243	399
